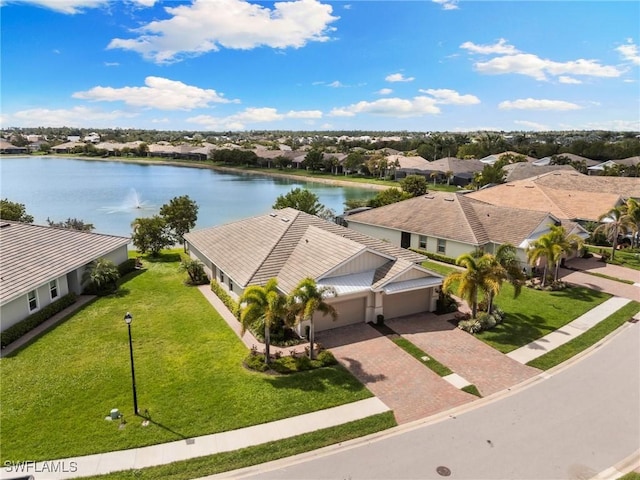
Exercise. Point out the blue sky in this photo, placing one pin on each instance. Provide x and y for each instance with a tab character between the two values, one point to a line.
222	65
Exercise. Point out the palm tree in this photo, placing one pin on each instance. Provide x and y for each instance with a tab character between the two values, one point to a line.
307	299
102	273
632	209
545	247
263	305
449	175
614	223
568	243
507	267
478	276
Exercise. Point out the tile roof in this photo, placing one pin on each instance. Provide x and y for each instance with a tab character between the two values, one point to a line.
563	193
455	217
522	170
32	255
288	245
456	165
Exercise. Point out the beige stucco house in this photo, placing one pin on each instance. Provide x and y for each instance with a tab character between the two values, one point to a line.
451	224
371	277
39	265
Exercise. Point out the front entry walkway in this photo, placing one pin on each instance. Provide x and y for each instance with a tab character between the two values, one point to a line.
409	388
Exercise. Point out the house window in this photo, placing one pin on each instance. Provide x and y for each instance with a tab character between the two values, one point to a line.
442	245
230	285
221	276
33	300
422	242
53	289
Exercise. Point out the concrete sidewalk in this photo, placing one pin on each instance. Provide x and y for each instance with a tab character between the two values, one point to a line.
165	453
570	331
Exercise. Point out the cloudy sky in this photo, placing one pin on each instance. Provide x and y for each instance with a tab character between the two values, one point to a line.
220	65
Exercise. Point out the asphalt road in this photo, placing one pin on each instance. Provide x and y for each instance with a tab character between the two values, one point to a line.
575	424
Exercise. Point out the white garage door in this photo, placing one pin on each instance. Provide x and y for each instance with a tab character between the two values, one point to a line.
349	312
408	303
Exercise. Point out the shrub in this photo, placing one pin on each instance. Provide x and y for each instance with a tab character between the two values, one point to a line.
16	331
326	358
486	320
256	362
445	303
127	266
471	325
222	294
289	364
195	270
436	256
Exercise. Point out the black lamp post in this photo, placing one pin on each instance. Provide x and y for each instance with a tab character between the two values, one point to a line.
128	318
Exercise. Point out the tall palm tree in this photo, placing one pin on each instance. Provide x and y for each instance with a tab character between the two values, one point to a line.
307	299
263	305
506	268
545	247
615	222
478	276
568	243
632	211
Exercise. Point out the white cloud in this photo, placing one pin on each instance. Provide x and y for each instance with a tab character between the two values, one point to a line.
160	120
500	47
538	104
390	107
239	120
385	91
447	4
532	125
398	77
208	25
72	117
160	93
569	80
335	84
629	52
111	64
72	7
451	97
538	68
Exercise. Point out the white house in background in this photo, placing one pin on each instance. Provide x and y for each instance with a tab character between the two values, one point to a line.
93	137
371	277
452	224
39	265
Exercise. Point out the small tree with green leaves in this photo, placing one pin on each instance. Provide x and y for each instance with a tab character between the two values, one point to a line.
72	224
614	223
14	211
300	199
151	234
414	185
180	215
195	270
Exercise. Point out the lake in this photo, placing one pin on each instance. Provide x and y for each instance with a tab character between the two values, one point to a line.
112	194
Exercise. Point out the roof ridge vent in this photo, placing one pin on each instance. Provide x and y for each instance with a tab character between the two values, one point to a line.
448	199
284	219
273	214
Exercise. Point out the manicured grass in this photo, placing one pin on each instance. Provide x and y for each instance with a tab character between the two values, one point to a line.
626	257
630	476
439	267
472	389
56	392
417	353
536	313
609	277
587	339
224	462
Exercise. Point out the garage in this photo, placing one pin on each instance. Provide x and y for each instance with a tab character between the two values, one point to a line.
349	312
406	303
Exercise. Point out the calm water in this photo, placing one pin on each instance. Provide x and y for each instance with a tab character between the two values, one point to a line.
111	194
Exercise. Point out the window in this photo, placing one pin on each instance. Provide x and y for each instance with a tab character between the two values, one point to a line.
442	245
230	285
53	289
221	276
33	300
422	242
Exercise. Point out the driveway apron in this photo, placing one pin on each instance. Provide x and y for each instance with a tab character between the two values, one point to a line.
409	388
478	363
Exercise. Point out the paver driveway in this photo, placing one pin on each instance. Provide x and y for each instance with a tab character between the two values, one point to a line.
474	360
409	388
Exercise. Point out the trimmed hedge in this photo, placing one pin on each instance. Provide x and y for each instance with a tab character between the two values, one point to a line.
435	256
224	296
290	364
127	266
16	331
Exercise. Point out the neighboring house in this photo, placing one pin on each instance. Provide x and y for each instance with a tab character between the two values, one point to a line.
67	147
571	156
452	224
372	277
491	159
409	165
9	148
563	193
461	171
41	264
625	162
522	170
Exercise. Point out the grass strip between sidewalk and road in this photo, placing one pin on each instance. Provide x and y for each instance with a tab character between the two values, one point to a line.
587	339
266	452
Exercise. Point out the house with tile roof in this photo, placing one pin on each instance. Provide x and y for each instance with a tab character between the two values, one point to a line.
40	264
563	193
372	277
452	224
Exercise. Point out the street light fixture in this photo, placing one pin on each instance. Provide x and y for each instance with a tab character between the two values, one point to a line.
128	318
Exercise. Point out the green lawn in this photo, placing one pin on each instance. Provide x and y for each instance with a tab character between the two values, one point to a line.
56	392
626	257
587	339
439	267
536	313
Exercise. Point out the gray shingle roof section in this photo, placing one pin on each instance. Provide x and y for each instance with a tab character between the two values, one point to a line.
32	255
289	245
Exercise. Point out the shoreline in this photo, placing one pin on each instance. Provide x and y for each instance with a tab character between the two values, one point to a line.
238	171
